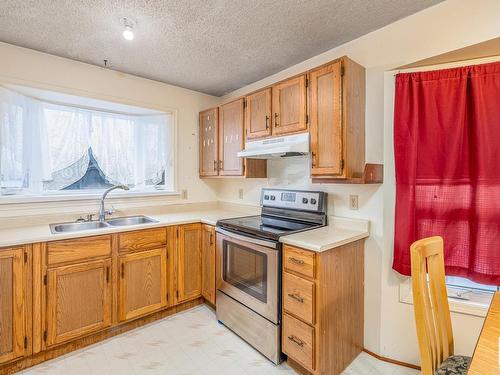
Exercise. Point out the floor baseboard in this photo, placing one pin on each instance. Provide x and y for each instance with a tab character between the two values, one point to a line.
389	360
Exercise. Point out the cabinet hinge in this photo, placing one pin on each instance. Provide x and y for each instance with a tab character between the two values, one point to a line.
342	164
44	335
45	280
307	119
25	342
244	103
25	257
177	232
342	71
177	294
307	82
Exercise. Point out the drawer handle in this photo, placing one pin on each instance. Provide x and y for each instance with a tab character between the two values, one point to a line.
296	261
296	297
296	340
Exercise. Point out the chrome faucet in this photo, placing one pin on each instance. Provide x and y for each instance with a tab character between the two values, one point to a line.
102	211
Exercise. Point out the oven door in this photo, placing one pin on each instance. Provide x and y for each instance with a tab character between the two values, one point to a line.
248	271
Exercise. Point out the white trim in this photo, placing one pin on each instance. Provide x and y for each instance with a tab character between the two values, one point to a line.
477	305
19	199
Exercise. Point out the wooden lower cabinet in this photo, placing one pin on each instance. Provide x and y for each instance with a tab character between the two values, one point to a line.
78	300
12	304
323	307
208	263
142	283
188	262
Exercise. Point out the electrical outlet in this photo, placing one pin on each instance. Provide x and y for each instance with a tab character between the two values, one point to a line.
240	193
353	202
184	194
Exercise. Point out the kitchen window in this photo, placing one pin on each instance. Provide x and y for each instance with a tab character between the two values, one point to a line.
50	148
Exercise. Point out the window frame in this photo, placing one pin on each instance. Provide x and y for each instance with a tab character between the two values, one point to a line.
477	304
92	194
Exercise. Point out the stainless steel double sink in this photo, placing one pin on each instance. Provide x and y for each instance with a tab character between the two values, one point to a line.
90	225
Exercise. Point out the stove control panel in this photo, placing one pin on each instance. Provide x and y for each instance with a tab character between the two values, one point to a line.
294	199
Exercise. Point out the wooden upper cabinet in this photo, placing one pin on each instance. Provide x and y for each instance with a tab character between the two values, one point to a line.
337	109
12	306
326	120
258	114
209	138
231	138
289	106
142	283
79	300
189	262
208	263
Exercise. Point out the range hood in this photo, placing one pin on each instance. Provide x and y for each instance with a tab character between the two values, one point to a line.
286	146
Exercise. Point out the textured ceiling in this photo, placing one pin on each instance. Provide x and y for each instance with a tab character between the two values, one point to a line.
213	46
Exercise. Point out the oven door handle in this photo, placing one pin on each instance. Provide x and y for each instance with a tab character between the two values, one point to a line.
253	240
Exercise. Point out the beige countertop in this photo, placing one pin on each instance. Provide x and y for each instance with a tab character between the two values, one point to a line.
41	232
340	231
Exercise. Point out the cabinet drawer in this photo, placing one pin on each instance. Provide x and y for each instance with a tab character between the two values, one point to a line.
142	239
299	261
78	249
298	297
298	341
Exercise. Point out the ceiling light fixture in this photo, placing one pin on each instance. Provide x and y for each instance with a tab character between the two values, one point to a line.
128	24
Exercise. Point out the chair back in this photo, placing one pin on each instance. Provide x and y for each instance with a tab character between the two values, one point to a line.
430	302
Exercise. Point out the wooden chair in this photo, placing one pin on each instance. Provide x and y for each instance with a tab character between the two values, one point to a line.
432	311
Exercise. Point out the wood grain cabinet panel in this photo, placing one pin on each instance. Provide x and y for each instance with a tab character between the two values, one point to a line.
189	262
323	308
298	341
78	249
142	239
258	114
231	138
299	261
209	142
289	106
142	283
208	263
326	120
337	111
12	306
79	300
298	297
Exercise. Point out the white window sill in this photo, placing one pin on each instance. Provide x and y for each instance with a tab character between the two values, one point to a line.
478	304
16	199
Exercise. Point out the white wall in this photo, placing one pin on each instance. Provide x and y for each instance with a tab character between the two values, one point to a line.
35	69
389	324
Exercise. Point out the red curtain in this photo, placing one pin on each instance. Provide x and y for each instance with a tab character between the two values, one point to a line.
447	155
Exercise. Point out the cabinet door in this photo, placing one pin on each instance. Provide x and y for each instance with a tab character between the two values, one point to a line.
208	263
289	106
78	300
209	157
143	283
189	262
258	114
12	307
326	120
231	138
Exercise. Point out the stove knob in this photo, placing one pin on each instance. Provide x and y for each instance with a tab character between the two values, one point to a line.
304	200
313	201
266	197
273	198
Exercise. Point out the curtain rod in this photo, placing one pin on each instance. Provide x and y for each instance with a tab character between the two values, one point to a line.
88	108
451	64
